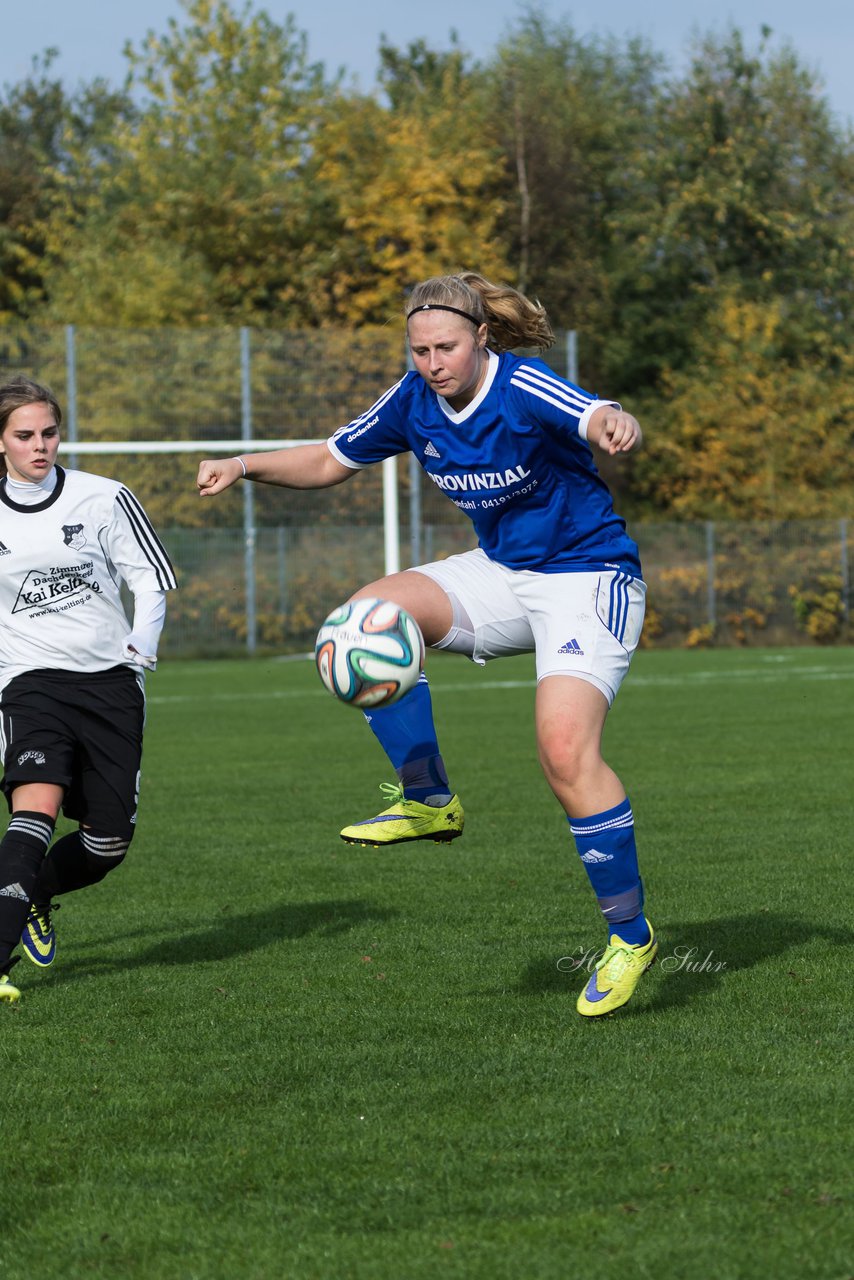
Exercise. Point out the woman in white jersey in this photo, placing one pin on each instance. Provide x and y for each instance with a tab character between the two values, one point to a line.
555	573
72	668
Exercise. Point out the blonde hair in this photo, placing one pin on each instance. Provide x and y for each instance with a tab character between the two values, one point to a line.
512	319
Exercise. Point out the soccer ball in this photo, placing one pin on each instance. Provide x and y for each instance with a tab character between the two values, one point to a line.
369	653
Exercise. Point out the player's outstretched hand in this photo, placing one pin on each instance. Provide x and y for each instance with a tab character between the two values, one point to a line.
217	474
615	430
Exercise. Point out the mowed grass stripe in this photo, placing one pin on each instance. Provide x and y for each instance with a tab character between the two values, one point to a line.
761	672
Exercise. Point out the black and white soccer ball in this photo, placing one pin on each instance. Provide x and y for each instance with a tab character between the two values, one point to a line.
369	653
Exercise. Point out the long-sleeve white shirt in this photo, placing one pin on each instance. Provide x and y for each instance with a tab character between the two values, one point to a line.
66	546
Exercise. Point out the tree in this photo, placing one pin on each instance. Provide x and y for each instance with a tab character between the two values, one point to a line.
212	181
38	123
571	117
413	184
408	77
746	433
745	182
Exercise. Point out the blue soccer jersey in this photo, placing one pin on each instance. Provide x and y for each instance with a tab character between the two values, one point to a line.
515	460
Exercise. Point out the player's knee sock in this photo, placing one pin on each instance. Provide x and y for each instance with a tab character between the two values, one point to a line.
103	853
407	735
79	859
606	845
22	852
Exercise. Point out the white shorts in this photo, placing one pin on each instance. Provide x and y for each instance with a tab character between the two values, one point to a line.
578	624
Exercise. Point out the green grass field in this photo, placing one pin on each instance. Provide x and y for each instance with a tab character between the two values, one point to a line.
263	1053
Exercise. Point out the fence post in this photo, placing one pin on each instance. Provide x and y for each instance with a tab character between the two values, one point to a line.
415	556
711	603
282	564
248	496
71	393
846	577
391	528
572	356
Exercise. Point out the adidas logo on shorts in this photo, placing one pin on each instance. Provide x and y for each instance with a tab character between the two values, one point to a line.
573	647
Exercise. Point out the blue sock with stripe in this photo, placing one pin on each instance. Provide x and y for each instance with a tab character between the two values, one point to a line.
606	845
407	735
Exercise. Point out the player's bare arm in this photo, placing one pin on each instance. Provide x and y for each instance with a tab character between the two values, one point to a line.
614	430
306	466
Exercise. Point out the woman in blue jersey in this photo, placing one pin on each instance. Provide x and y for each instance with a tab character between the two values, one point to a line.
555	573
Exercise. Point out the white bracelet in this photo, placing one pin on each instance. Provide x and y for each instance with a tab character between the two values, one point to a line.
242	463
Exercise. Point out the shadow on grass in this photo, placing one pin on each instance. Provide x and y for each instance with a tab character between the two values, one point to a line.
694	958
222	937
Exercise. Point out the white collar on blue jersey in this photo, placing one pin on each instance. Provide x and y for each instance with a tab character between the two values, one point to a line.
479	398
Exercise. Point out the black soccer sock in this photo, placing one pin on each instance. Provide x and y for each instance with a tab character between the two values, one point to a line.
79	859
64	868
22	852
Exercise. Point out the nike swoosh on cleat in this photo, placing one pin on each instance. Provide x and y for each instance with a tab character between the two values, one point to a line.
382	817
594	995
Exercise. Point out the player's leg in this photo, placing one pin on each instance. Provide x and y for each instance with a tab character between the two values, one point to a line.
583	654
37	752
570	719
80	859
463	604
75	861
422	804
103	797
34	810
406	730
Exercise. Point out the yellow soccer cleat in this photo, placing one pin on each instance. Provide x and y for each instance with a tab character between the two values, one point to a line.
8	993
616	975
407	820
39	936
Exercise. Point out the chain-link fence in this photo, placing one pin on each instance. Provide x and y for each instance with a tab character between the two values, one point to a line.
215	384
709	584
260	567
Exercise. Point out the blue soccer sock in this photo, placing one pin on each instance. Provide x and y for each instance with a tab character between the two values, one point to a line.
606	845
407	735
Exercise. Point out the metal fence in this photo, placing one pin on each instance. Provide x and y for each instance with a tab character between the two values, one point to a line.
708	583
260	568
215	384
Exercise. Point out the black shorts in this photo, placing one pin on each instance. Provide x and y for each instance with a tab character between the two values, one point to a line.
82	731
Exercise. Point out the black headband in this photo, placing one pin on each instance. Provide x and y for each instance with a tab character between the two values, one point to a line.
440	306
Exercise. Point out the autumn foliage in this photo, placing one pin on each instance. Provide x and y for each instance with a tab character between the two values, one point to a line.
696	231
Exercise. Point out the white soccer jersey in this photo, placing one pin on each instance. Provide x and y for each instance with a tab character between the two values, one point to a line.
61	565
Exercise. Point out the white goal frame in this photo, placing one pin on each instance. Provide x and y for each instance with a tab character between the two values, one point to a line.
213	448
